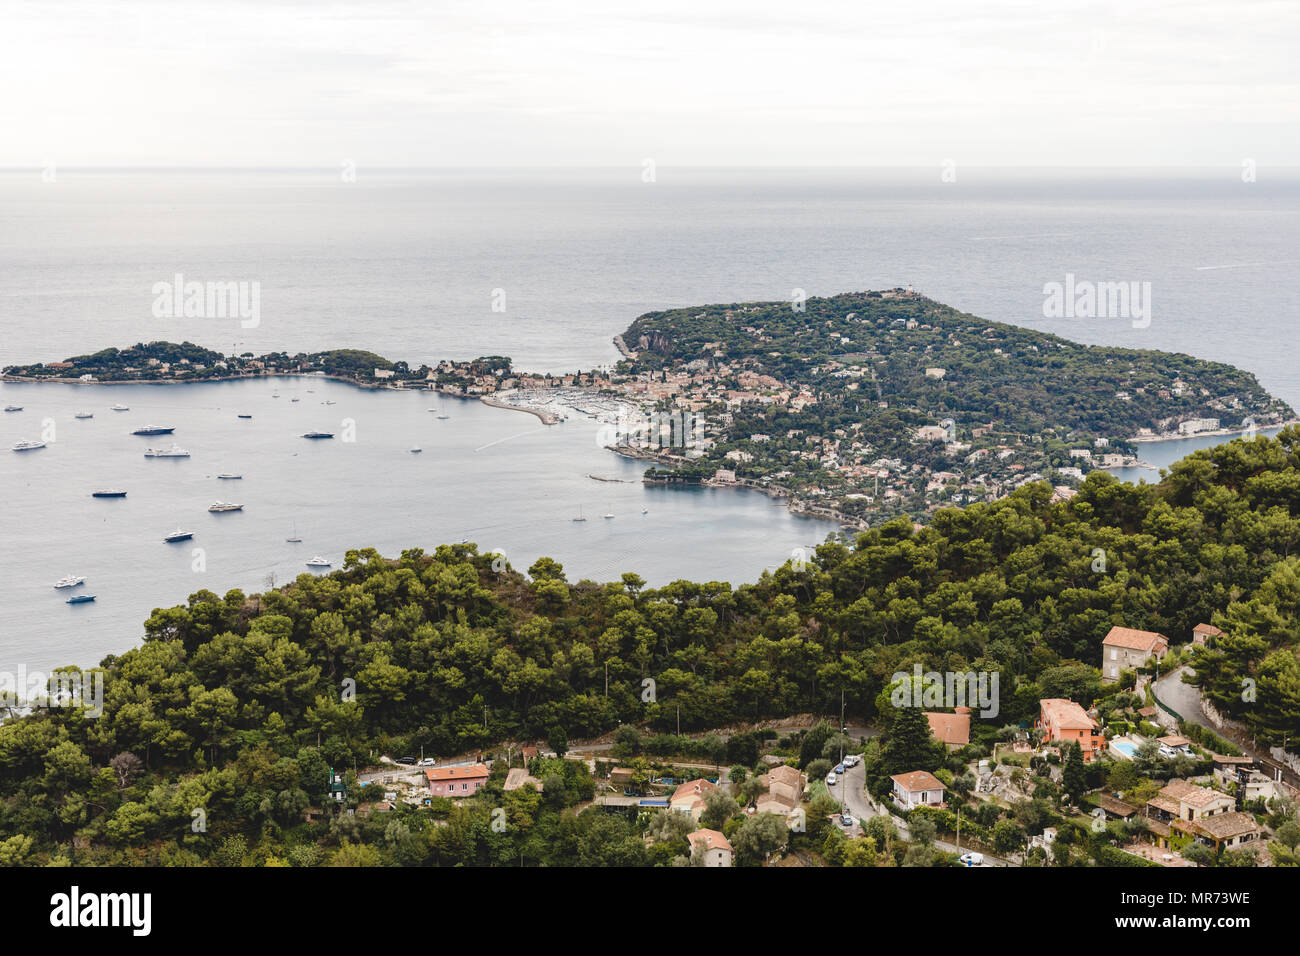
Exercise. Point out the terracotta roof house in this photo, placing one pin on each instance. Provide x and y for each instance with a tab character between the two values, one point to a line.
456	782
785	787
1064	721
918	788
1202	633
1124	648
689	797
715	846
1226	830
1180	800
952	730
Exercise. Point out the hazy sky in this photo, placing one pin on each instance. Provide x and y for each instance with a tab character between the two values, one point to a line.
606	82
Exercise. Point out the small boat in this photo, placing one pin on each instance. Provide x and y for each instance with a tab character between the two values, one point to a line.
330	402
645	511
245	416
220	507
154	430
26	445
444	417
108	493
275	394
318	435
119	408
318	562
13	408
416	450
80	599
84	415
293	535
580	517
608	515
295	399
228	477
178	535
71	581
174	452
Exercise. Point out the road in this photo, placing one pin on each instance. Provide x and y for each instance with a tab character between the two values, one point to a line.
1186	700
851	789
1183	698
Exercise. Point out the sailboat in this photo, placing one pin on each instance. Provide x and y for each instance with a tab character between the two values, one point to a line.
580	515
293	535
609	514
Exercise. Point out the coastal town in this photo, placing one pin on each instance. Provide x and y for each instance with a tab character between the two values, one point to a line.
858	408
1119	780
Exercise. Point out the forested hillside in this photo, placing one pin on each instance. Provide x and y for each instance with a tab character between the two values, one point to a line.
239	703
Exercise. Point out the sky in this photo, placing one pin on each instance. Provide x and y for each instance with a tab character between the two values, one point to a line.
392	83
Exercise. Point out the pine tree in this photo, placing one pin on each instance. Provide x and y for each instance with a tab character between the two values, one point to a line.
1073	779
910	745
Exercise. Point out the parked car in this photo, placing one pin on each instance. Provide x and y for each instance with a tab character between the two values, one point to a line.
847	820
427	762
839	768
831	779
852	760
972	859
409	761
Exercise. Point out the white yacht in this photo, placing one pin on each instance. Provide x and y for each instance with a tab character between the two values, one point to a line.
179	535
26	445
71	581
120	408
318	562
217	507
176	451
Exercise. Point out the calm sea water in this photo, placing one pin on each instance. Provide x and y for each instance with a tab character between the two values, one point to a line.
495	477
407	264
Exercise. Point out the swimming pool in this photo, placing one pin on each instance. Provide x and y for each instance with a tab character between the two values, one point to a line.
1126	747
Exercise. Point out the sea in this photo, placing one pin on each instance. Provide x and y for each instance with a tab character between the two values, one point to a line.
544	266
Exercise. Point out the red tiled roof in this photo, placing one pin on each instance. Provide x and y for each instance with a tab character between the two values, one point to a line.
918	780
711	839
1135	639
950	728
1066	714
473	772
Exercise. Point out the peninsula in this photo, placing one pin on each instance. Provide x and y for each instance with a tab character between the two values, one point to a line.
859	407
